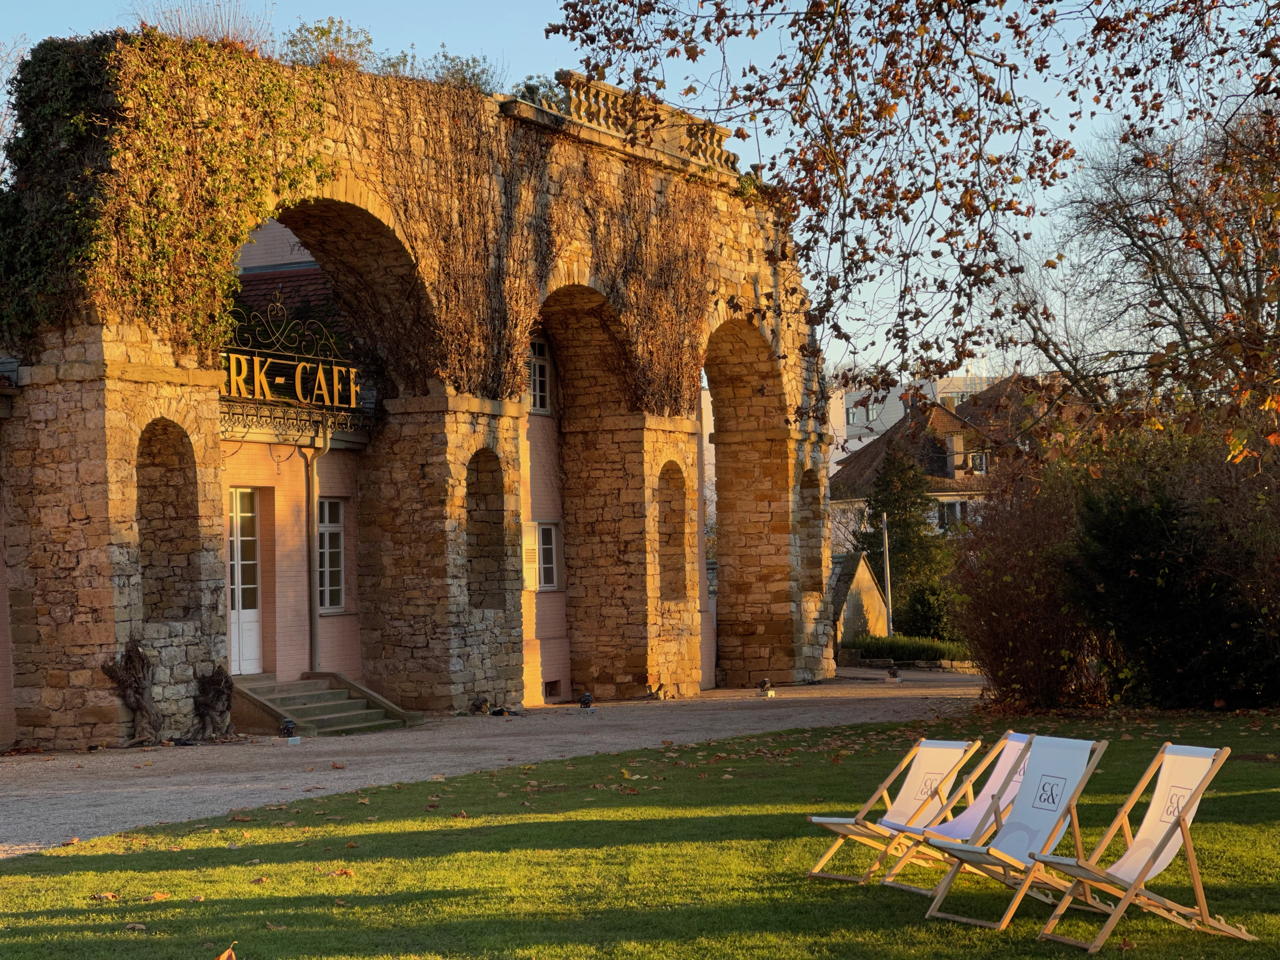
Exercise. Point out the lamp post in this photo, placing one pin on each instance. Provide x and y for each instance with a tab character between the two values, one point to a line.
888	584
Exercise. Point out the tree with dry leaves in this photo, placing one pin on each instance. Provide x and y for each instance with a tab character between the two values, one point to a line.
921	139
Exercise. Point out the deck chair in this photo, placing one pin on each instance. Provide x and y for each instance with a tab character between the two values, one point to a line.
976	821
930	770
1045	805
1184	773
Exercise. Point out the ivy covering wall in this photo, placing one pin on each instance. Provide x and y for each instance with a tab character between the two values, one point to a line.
142	163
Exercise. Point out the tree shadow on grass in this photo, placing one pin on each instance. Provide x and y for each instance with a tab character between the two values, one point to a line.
815	919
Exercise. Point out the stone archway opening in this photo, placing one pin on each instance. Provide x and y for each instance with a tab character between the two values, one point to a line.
751	465
603	558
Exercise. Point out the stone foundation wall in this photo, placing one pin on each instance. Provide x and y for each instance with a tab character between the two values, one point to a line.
179	653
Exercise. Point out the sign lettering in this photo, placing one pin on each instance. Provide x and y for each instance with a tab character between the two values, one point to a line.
276	379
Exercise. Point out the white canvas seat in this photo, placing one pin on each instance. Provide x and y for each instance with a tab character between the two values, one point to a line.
1006	761
1183	775
928	772
1044	807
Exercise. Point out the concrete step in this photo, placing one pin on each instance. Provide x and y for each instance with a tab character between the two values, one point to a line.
291	700
390	723
269	690
327	708
317	708
350	718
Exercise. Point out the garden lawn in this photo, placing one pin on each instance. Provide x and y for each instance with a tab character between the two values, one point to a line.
686	851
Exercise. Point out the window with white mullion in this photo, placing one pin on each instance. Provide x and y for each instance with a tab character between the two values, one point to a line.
329	559
539	377
548	557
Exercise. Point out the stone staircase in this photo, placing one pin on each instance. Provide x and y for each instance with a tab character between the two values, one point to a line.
322	705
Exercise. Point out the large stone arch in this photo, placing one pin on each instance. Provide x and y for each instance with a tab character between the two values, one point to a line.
376	283
764	570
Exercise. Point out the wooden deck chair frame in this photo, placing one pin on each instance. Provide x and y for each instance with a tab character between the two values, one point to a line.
875	835
918	852
1025	879
1090	875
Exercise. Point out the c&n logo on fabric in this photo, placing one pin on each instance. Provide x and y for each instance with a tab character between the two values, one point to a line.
1049	791
1174	803
928	783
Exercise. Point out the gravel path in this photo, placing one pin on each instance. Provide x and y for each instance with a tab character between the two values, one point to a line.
46	799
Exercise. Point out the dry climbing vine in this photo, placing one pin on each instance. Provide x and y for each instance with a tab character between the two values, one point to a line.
145	161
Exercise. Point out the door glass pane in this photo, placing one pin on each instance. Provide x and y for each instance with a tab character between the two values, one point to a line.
249	574
249	598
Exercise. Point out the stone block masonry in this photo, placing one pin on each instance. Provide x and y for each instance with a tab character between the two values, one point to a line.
112	472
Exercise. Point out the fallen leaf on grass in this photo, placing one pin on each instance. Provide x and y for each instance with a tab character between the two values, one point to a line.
344	872
71	842
338	766
229	953
159	895
136	927
104	896
275	926
352	845
259	879
363	800
339	902
460	815
198	898
240	819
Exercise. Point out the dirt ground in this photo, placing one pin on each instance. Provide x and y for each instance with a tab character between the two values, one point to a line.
46	799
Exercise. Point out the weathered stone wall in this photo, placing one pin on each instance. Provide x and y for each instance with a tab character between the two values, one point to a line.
92	564
57	545
425	645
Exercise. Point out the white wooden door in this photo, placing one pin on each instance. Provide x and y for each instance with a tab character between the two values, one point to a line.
244	618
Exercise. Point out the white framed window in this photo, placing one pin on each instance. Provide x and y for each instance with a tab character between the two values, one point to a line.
548	556
850	416
978	462
539	377
329	556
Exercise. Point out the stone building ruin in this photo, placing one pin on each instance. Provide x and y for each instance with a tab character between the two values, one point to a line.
278	507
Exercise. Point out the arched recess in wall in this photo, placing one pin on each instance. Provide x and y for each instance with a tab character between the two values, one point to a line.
749	522
486	544
673	512
168	520
809	532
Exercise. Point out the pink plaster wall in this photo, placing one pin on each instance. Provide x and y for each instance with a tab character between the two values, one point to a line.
546	649
278	473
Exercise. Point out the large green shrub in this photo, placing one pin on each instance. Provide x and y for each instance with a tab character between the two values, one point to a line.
1176	557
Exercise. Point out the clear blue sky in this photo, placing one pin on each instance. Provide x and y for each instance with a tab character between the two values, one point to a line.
508	32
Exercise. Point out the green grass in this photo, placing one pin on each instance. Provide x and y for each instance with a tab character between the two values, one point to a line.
682	852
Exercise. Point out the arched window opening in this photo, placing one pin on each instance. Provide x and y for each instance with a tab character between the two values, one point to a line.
809	532
484	531
672	521
168	519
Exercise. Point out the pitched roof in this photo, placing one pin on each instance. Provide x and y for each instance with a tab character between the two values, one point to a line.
921	434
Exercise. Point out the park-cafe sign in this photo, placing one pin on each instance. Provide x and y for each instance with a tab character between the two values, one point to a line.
273	379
